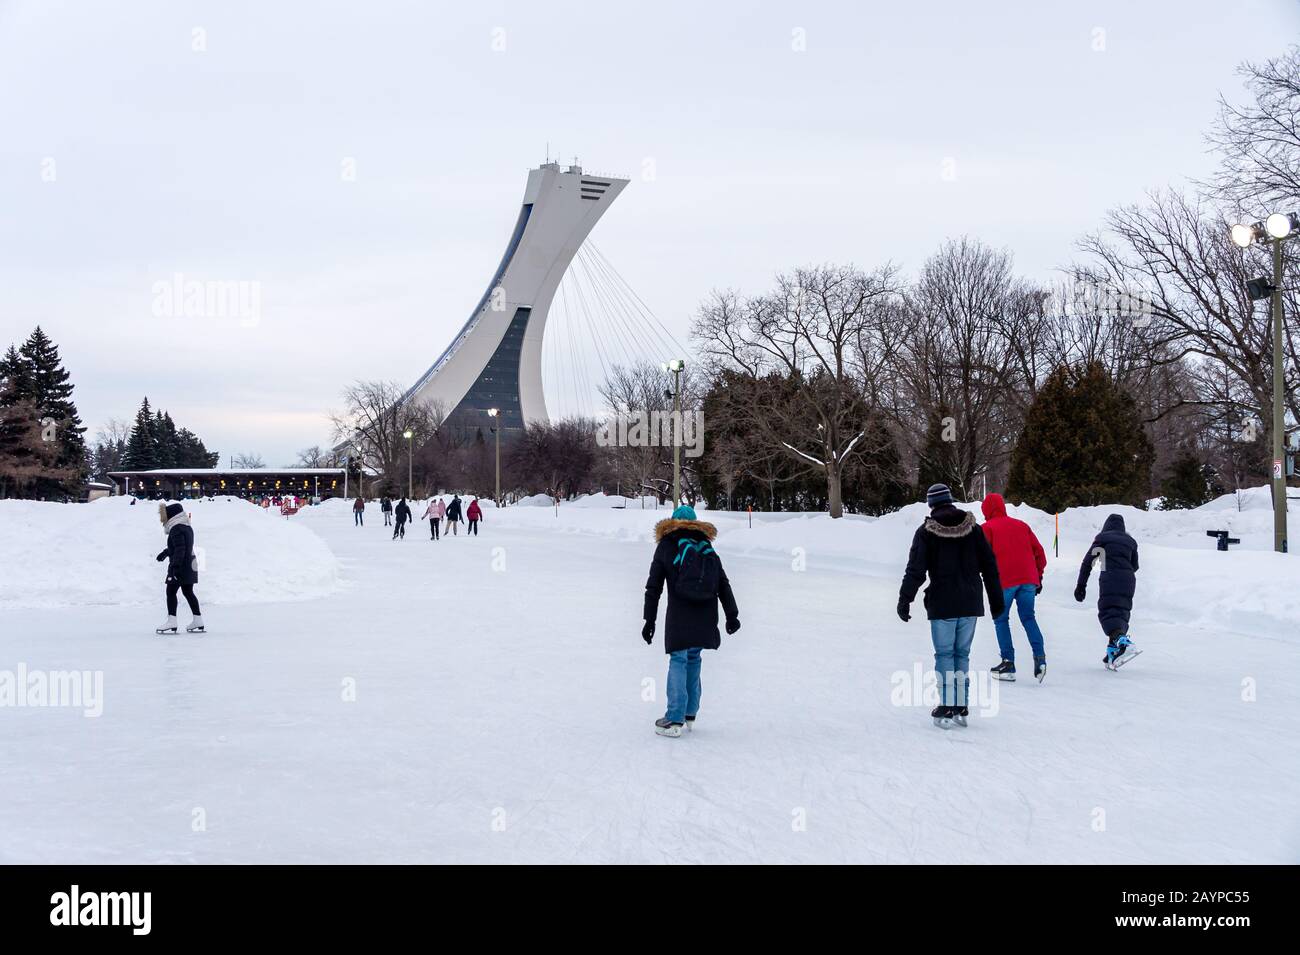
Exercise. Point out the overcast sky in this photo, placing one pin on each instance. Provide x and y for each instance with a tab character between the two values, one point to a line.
363	164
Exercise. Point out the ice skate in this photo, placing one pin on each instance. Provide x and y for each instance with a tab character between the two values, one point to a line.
665	728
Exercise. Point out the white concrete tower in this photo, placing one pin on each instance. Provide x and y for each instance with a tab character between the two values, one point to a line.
496	359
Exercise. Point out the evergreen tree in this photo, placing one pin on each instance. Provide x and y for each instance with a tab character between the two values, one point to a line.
166	441
1188	484
51	392
1083	444
142	445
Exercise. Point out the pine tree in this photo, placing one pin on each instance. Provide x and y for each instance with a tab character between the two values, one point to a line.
1083	444
51	392
1187	485
142	446
166	441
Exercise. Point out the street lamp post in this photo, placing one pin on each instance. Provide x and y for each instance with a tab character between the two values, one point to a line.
1278	227
677	366
409	435
495	414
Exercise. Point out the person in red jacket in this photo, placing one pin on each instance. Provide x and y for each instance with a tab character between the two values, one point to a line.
1020	568
473	514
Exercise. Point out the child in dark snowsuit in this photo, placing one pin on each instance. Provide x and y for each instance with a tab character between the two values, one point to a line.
1117	582
684	559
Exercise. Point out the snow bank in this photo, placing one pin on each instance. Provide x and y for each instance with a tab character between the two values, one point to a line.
1183	578
103	554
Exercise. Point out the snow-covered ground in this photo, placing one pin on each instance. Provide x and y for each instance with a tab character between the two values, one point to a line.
489	699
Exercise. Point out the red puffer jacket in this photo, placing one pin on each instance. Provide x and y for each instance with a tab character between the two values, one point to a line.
475	512
1020	557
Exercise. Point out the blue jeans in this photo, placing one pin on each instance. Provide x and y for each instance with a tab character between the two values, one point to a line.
952	639
683	684
1023	596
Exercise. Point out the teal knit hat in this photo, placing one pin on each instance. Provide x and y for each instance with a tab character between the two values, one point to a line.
684	513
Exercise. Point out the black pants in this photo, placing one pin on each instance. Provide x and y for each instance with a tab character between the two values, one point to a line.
174	585
473	527
399	530
433	528
357	520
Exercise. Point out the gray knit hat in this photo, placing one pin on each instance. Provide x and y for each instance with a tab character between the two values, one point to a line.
938	494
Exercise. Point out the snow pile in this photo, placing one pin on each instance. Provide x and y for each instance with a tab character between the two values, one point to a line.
103	554
1182	579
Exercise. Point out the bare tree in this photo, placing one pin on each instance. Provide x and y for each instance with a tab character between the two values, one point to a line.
951	355
316	457
1200	313
809	331
1259	141
248	459
374	423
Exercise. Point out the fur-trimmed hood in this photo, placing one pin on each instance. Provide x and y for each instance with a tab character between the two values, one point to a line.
669	525
960	529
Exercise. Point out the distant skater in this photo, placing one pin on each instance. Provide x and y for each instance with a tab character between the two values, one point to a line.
453	514
403	514
182	567
1117	553
473	514
685	560
358	513
386	508
434	514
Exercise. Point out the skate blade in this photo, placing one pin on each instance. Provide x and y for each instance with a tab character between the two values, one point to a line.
672	732
959	721
165	630
196	630
1005	677
943	722
1042	676
1129	654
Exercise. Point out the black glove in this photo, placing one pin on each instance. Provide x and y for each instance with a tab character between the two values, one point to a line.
997	611
1038	589
903	613
1080	593
733	625
161	557
648	632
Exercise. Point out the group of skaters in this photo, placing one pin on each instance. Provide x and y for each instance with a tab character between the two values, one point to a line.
444	517
963	562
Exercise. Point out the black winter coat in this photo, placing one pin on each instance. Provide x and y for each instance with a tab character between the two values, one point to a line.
1117	581
180	554
951	549
453	510
402	513
688	623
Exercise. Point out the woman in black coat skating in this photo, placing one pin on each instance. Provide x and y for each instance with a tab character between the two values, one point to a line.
182	567
685	560
1116	584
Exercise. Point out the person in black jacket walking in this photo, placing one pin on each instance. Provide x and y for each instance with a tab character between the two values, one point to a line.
182	568
1117	553
386	509
685	560
403	514
951	549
